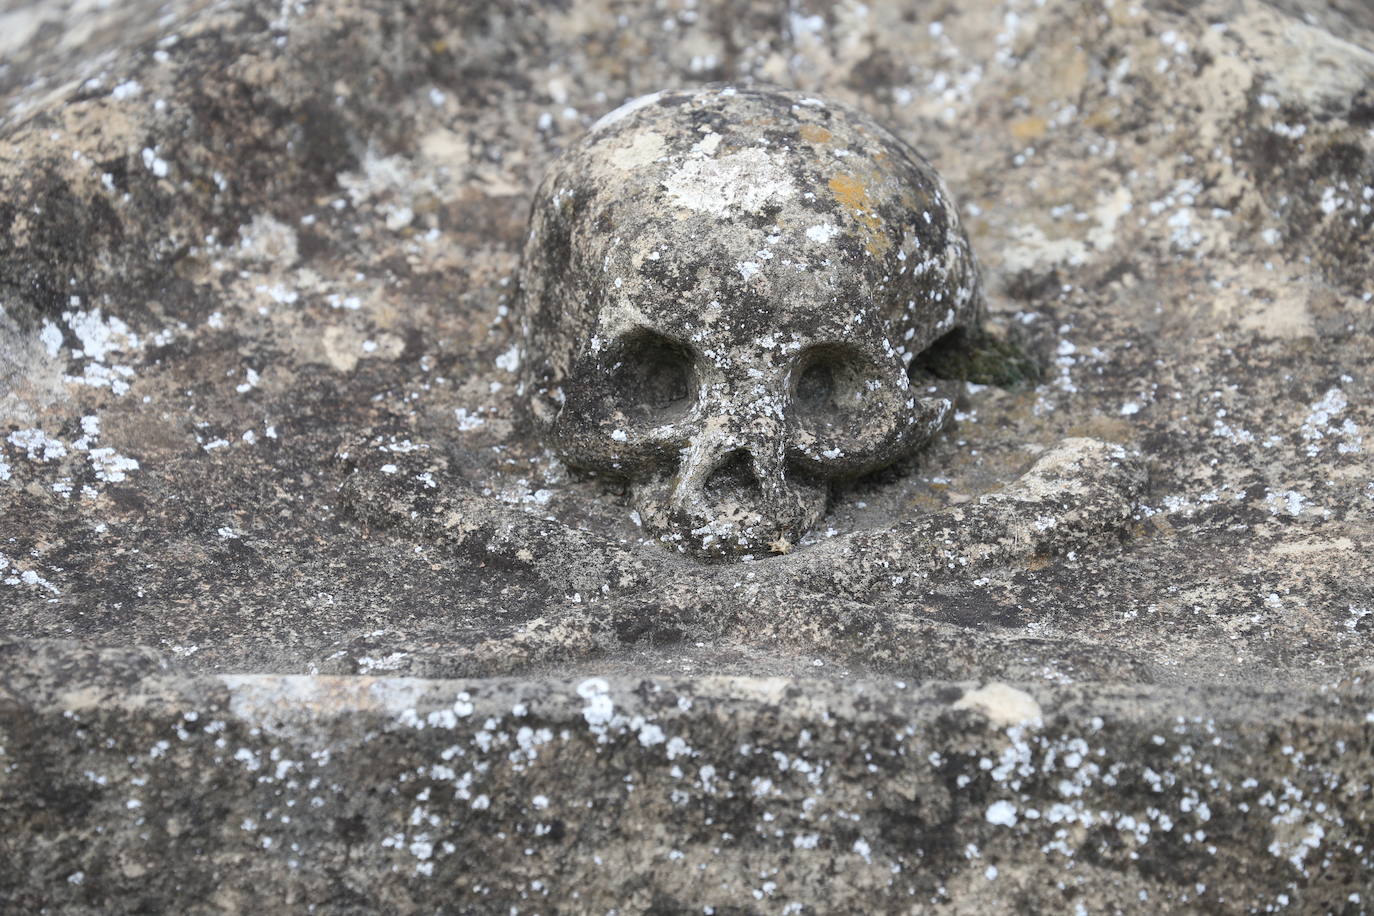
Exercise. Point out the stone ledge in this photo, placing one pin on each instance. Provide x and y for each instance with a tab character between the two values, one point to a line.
134	787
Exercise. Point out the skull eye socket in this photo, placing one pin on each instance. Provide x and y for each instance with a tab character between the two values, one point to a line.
816	388
827	377
652	377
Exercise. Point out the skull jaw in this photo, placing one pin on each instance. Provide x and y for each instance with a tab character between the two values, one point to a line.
730	527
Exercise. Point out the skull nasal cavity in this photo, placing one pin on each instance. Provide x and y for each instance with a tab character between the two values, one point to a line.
734	481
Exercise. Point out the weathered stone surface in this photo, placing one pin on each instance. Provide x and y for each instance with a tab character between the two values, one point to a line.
256	271
723	293
675	794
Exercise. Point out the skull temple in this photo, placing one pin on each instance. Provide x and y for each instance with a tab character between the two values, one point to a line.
722	291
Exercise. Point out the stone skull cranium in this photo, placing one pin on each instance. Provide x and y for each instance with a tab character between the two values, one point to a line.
721	293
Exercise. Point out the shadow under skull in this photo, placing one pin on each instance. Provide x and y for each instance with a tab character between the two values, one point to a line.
721	293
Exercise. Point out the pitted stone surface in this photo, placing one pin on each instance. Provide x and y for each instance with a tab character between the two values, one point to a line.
261	418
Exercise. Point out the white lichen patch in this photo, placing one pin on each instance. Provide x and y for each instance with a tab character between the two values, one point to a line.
99	335
822	233
741	181
1321	426
599	708
1001	813
111	466
14	576
154	162
37	445
394	185
468	420
51	337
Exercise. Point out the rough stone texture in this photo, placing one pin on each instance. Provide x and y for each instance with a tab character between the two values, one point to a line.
254	255
254	793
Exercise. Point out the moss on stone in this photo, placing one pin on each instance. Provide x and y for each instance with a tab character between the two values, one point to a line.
977	355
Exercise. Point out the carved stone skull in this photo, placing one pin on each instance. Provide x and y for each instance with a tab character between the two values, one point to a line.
721	293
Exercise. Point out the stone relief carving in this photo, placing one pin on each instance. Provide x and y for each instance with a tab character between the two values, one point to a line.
723	293
236	233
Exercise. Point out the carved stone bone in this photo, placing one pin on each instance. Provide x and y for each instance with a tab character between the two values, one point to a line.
722	291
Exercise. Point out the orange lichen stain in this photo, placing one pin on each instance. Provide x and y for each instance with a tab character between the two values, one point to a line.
850	192
1031	127
814	133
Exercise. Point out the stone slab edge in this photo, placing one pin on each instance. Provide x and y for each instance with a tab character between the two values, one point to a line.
124	785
